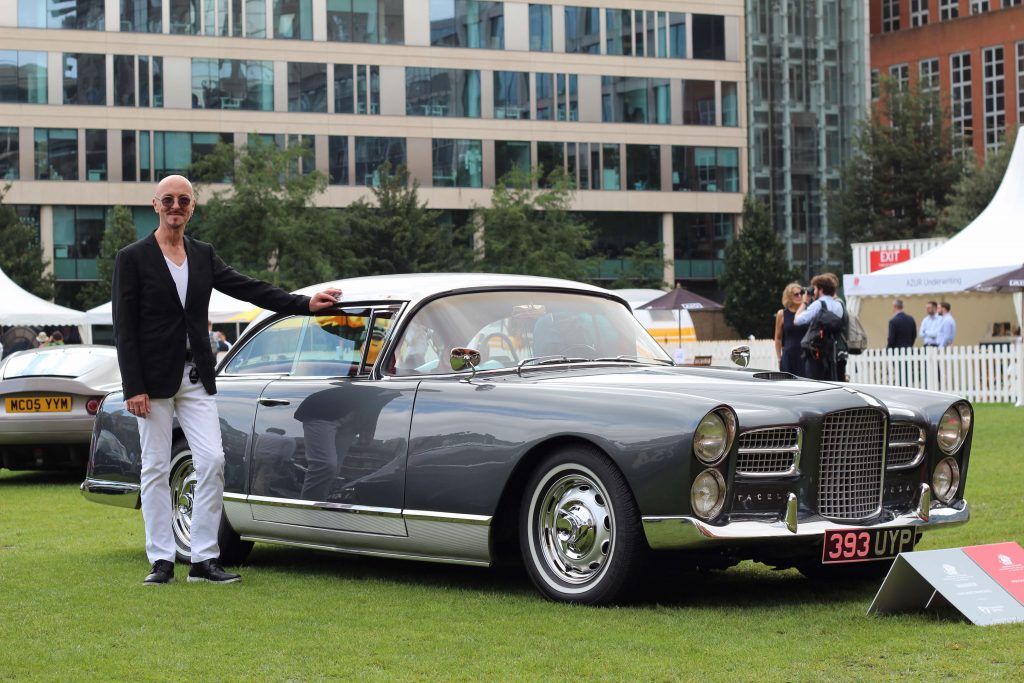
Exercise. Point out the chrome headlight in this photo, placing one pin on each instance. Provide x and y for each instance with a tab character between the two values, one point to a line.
946	479
953	427
714	435
707	495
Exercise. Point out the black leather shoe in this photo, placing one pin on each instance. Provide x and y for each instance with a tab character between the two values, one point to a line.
163	572
211	571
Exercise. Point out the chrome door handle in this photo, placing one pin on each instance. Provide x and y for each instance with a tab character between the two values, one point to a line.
274	402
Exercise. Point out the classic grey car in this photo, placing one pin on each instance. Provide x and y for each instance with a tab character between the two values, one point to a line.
456	418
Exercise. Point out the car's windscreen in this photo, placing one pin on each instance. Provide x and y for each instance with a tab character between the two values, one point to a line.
508	328
65	362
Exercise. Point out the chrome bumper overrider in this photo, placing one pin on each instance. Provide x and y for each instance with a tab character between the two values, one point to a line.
111	492
676	533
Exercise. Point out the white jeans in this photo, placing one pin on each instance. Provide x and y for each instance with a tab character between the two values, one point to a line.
197	415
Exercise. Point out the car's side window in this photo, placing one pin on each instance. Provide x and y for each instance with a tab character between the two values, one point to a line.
271	350
381	326
332	345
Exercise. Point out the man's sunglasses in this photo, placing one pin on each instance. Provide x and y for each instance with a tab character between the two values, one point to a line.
183	201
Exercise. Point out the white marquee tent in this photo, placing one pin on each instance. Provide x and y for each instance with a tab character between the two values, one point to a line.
992	244
223	309
21	308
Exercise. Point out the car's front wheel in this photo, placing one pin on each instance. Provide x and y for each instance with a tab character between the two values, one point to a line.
233	550
580	531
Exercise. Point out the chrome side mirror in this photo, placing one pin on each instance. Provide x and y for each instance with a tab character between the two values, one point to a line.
740	355
461	358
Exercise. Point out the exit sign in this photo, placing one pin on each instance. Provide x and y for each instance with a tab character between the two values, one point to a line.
883	258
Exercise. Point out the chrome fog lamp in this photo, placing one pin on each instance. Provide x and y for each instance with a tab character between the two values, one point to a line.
951	432
946	479
707	495
713	436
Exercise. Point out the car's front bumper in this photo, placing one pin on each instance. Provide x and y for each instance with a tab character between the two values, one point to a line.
684	533
117	493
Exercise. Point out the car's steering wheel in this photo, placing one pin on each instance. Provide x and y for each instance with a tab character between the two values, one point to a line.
579	350
506	343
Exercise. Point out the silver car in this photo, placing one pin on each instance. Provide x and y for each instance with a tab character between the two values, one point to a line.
50	397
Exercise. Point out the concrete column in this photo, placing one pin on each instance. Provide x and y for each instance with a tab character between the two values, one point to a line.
668	240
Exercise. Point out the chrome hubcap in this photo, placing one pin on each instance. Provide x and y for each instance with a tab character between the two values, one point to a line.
183	490
575	528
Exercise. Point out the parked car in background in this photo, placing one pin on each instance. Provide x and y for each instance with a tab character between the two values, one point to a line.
456	418
50	399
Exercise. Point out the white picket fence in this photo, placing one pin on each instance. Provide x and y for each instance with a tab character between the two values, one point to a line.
983	374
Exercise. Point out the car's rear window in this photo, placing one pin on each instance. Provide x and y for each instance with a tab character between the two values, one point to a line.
66	362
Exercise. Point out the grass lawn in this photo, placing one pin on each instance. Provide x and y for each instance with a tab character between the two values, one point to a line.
72	607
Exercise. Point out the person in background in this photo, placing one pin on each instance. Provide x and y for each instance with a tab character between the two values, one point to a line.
902	327
42	339
222	342
787	333
930	325
56	340
212	335
824	299
947	325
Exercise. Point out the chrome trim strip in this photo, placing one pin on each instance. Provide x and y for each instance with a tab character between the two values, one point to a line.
118	493
920	443
453	517
236	497
791	512
362	551
322	505
795	450
682	532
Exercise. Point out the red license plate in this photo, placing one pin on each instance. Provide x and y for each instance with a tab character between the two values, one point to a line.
863	545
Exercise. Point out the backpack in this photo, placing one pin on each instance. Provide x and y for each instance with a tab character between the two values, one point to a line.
856	338
820	341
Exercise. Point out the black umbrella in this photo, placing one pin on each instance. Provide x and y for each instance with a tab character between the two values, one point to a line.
680	299
1012	281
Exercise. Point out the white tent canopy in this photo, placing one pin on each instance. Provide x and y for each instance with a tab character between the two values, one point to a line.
992	244
21	308
223	309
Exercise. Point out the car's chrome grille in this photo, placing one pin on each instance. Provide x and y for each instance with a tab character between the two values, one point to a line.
851	463
772	451
906	444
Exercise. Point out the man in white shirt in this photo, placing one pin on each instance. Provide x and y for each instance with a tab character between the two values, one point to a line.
824	298
947	325
930	325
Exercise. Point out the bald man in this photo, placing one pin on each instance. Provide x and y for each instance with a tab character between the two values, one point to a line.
161	297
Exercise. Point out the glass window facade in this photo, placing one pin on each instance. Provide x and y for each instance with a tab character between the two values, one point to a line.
700	240
730	104
96	154
77	232
371	153
511	95
184	17
82	15
9	157
293	19
510	154
366	21
705	169
550	155
699	103
619	32
457	163
994	89
677	35
85	78
467	23
344	89
611	167
337	159
630	99
22	77
173	151
708	36
540	28
307	87
124	80
141	16
643	167
232	84
960	100
56	153
583	30
442	92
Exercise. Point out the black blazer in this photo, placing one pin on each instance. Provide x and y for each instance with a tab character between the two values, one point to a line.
150	323
902	331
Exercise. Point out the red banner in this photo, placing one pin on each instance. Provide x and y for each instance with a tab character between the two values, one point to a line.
883	258
1004	562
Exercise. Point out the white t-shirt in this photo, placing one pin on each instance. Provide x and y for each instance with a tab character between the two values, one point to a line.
180	276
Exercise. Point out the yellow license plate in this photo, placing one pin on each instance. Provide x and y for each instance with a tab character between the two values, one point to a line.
38	404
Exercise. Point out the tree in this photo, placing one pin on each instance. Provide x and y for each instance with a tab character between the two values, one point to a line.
120	233
265	224
397	233
973	192
21	255
532	232
902	164
755	274
643	267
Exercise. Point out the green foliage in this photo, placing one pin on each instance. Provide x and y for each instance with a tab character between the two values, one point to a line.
973	192
397	233
643	267
901	171
756	272
532	232
21	255
120	233
266	225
